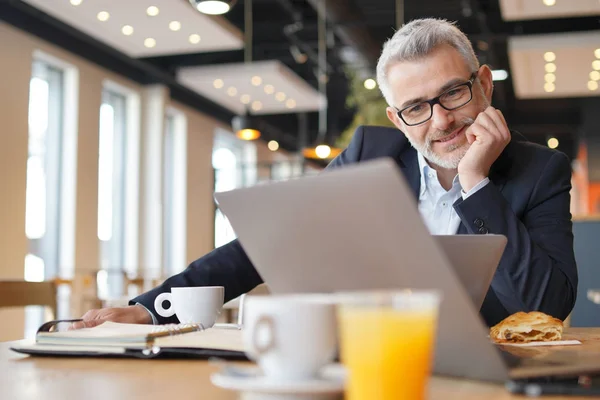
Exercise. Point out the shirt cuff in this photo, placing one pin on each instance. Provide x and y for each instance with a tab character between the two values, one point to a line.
475	188
154	320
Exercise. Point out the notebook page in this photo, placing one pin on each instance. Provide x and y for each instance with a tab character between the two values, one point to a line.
213	338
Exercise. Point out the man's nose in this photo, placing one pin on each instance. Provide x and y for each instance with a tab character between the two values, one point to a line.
441	118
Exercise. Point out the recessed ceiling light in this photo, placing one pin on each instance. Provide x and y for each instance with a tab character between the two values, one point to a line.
550	67
127	30
150	43
553	143
549	87
290	103
549	2
218	83
152	11
245	98
103	16
231	91
370	84
280	96
592	85
273	145
269	89
256	105
596	65
550	78
76	2
212	7
595	76
195	38
174	26
549	56
597	53
256	80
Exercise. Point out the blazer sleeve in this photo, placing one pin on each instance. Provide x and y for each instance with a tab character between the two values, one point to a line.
228	265
537	271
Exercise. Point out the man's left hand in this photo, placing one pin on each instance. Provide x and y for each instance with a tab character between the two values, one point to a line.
488	136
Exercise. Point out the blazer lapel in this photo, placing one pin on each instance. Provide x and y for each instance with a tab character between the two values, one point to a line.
409	164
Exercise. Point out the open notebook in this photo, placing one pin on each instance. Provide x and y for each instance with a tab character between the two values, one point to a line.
143	341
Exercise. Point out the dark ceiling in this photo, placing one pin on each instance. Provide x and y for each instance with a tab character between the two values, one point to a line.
356	27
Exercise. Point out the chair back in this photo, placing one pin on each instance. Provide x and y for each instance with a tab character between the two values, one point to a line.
23	293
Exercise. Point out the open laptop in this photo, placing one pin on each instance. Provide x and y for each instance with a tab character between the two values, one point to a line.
358	228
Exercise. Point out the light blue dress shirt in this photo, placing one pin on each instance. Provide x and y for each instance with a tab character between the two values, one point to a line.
436	203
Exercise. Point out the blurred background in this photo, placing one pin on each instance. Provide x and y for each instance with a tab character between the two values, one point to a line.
120	119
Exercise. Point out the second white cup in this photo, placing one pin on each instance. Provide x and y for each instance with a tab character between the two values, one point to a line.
193	305
291	337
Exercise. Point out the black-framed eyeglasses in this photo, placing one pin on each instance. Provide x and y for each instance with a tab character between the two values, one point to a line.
451	99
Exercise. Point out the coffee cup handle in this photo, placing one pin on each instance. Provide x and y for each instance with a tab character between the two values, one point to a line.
267	323
158	305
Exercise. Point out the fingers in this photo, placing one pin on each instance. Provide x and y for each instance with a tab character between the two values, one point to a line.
477	132
494	123
86	324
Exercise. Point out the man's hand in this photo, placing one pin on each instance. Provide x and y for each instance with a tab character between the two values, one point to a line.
130	315
488	136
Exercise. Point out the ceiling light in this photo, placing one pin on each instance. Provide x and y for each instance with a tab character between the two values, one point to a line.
549	2
245	127
76	2
256	80
280	96
291	103
550	67
269	89
218	83
596	64
370	84
553	142
595	76
231	91
150	43
127	30
256	105
195	38
323	151
550	78
103	16
597	53
212	7
174	26
245	98
549	56
152	11
499	75
549	87
592	85
273	145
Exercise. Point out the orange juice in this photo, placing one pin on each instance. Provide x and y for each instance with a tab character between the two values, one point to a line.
387	352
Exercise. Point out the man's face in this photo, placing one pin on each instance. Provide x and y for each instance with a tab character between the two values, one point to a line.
441	139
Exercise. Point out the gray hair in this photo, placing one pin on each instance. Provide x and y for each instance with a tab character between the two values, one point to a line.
416	40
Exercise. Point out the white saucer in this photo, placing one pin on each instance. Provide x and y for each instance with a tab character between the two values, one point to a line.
251	380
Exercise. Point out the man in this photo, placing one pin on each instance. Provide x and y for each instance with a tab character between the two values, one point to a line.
468	171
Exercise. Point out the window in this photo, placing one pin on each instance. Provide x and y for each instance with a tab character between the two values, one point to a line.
234	164
174	193
111	192
43	187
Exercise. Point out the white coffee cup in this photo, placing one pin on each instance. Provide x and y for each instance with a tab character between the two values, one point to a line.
291	337
194	305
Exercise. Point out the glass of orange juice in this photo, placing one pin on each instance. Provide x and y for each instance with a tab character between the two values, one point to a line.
387	343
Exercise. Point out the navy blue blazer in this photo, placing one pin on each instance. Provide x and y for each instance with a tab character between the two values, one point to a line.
527	200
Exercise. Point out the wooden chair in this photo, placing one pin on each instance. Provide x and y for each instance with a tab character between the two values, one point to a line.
22	293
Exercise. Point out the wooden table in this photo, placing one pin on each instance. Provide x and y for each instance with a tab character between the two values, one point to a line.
24	378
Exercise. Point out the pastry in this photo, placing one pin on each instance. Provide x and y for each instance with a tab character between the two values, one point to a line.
524	327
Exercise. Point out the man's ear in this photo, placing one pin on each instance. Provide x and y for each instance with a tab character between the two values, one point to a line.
487	83
392	115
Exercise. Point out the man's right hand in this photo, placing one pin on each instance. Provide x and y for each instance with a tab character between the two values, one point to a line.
129	315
